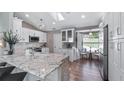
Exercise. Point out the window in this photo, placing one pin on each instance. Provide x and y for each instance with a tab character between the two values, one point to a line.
91	41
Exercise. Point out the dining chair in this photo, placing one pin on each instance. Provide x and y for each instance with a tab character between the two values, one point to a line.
83	52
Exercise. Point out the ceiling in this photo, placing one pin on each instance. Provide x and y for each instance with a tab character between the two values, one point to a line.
49	21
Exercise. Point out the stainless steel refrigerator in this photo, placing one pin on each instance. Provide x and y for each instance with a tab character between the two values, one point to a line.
103	66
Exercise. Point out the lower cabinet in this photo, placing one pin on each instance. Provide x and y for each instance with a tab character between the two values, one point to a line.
65	70
121	47
116	60
111	59
61	73
115	74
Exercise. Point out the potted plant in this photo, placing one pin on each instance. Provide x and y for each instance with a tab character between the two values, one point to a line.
11	39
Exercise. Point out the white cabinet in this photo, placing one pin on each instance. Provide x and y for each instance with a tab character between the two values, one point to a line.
111	59
118	60
24	33
116	25
116	30
122	25
116	53
41	37
110	25
58	45
114	60
17	26
44	37
116	46
29	32
116	69
64	36
67	35
121	48
57	42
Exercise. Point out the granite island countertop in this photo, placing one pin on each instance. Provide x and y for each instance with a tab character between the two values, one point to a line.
39	65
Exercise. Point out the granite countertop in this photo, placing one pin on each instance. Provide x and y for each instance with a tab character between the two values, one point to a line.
39	65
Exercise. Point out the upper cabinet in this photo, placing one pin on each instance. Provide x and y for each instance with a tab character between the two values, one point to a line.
116	25
34	33
43	37
64	36
116	30
67	35
17	26
110	25
122	24
24	33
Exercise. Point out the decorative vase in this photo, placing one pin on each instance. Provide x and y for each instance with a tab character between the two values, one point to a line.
11	49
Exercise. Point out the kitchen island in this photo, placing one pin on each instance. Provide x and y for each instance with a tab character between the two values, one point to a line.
40	67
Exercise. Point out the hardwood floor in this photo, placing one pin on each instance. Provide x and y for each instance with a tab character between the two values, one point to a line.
84	70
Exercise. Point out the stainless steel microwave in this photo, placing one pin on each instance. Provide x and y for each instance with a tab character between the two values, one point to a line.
33	39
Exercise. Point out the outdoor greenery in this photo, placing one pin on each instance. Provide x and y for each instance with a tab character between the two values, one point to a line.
91	40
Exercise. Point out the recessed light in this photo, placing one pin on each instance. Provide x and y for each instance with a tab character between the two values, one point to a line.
27	15
83	16
53	23
41	19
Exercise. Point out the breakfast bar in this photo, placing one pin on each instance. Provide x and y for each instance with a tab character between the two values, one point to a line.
40	67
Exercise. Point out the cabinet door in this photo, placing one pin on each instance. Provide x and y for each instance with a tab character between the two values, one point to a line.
110	25
17	27
116	53
44	37
116	61
57	43
36	33
64	36
41	37
111	59
25	35
122	25
121	47
70	36
116	24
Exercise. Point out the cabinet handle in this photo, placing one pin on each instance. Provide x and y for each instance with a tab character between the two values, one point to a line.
118	46
118	31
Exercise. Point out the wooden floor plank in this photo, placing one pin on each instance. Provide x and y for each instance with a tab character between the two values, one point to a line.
84	70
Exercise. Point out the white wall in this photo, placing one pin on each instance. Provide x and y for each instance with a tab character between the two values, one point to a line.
5	21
